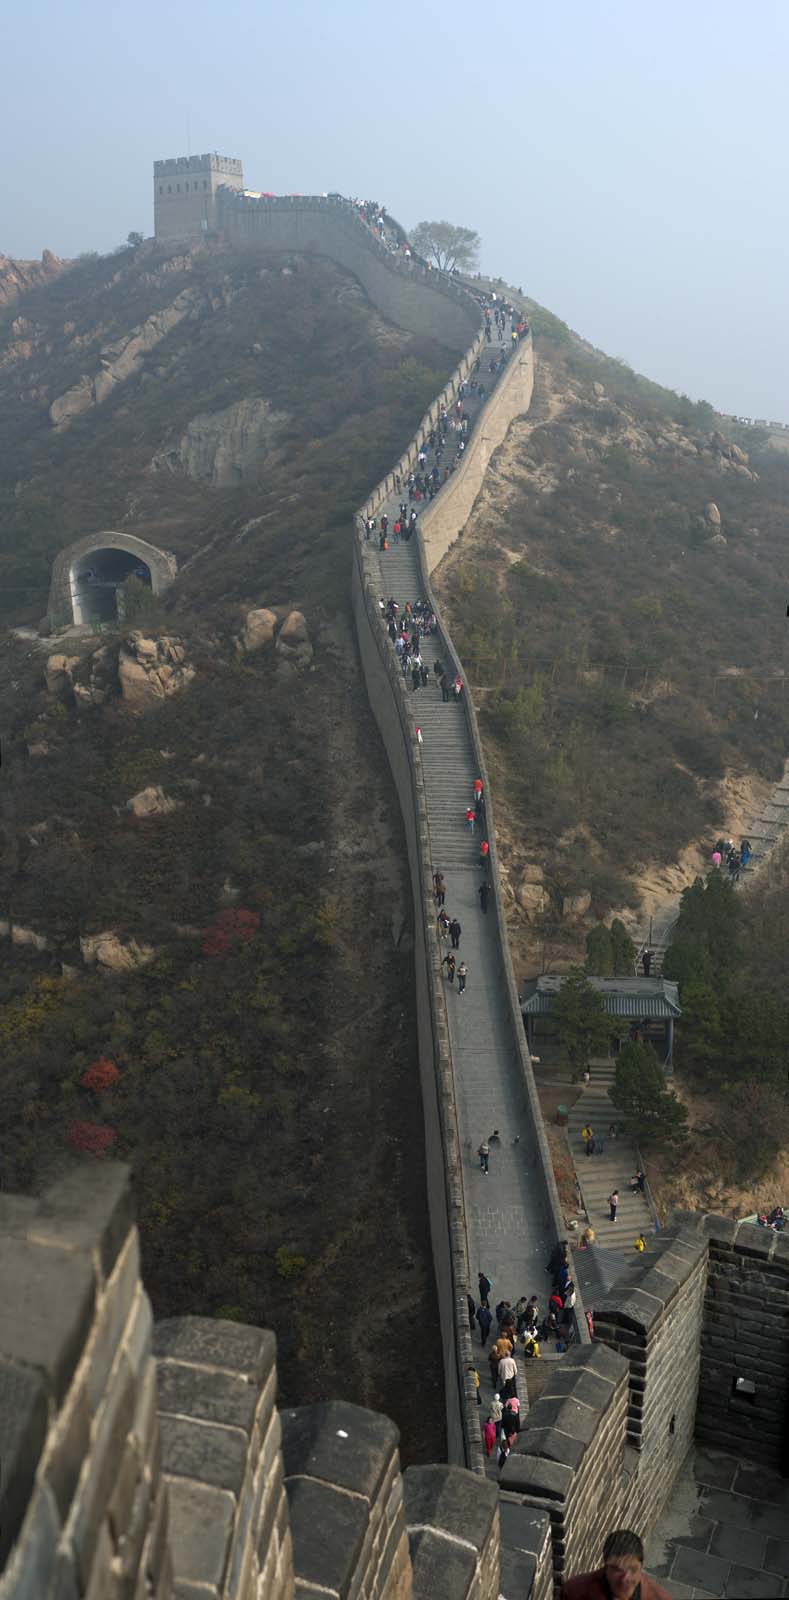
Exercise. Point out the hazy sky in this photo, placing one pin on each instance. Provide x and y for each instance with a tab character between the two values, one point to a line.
625	163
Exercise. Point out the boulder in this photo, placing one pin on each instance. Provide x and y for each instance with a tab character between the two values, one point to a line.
712	514
69	405
96	677
293	642
150	670
532	899
151	802
532	872
259	628
599	390
108	950
26	936
575	906
717	538
59	674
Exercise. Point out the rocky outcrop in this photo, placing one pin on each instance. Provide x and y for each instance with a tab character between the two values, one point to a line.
712	515
59	674
22	936
120	361
16	277
293	643
258	630
108	950
575	906
151	670
152	802
90	678
225	448
532	899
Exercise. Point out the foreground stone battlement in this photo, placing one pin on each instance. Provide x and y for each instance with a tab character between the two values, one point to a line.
143	1460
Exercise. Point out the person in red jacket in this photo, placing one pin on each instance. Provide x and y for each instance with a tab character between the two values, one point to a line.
621	1577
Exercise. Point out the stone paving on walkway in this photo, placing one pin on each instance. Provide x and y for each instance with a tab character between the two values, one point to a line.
509	1229
724	1532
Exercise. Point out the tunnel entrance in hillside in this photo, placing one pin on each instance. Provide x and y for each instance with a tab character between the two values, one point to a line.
97	580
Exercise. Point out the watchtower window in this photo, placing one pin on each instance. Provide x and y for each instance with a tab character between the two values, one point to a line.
205	183
161	188
169	188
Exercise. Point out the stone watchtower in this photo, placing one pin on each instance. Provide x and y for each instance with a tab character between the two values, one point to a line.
184	193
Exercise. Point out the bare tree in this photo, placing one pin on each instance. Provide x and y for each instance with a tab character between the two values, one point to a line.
447	246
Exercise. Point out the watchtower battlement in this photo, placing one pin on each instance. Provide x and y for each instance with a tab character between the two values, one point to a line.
184	193
180	165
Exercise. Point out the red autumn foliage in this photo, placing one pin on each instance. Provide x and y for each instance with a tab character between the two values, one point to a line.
101	1075
228	929
90	1138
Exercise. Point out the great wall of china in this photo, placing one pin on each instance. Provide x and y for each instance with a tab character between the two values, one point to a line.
150	1460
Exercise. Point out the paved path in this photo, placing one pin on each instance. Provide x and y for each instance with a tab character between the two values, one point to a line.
507	1211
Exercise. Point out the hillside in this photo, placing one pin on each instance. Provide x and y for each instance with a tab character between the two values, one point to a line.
619	593
236	944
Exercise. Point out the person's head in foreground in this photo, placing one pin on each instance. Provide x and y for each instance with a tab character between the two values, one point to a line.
621	1576
623	1557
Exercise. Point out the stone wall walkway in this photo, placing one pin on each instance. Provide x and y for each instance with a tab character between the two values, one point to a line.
510	1233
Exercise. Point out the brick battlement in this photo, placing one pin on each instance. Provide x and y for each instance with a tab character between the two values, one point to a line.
177	166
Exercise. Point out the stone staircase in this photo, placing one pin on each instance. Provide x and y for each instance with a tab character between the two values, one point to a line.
599	1174
768	826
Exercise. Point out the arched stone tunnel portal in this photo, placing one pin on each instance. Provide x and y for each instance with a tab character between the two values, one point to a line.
87	576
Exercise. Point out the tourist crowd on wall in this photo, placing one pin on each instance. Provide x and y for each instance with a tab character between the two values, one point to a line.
727	855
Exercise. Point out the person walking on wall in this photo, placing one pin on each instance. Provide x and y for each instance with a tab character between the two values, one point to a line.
484	1319
489	1435
455	931
613	1202
483	1153
484	852
449	963
439	887
484	896
462	976
484	1285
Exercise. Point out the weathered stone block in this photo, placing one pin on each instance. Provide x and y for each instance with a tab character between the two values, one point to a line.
112	1313
328	1528
442	1569
537	1476
583	1387
222	1397
98	1475
91	1208
207	1341
340	1444
634	1309
203	1451
67	1447
23	1428
451	1499
36	1278
31	1565
138	1333
201	1521
722	1229
564	1413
